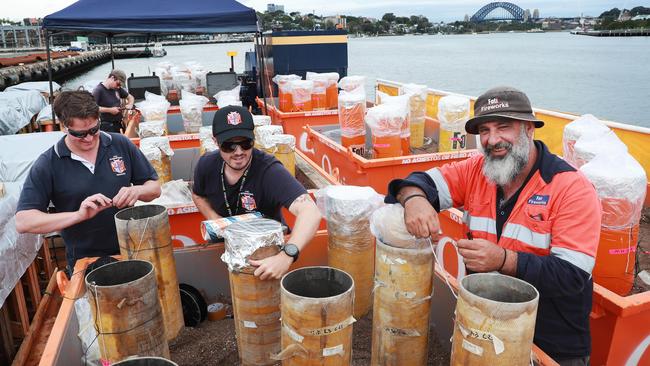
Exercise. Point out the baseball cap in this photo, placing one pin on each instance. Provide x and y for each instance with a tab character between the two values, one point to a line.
502	102
119	75
232	121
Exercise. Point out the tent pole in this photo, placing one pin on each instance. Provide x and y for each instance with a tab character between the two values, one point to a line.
261	67
110	42
49	75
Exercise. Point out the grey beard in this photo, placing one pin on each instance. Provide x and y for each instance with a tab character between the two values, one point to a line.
502	171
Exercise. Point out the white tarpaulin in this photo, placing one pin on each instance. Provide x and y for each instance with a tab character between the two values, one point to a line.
18	153
40	86
17	107
17	251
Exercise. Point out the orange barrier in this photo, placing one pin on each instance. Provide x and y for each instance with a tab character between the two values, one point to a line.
177	109
183	141
350	168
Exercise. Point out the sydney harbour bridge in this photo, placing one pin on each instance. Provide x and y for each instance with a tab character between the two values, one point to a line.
500	11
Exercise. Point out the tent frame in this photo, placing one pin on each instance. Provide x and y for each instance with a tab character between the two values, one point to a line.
49	33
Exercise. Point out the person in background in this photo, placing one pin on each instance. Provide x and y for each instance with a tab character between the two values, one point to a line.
88	176
530	215
239	179
108	95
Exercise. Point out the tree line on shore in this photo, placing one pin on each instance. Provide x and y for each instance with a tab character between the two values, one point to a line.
390	23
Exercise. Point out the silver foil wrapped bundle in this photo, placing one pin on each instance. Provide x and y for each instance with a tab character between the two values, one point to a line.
255	239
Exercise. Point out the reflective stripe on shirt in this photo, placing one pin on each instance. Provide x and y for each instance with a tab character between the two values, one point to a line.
484	224
526	236
581	260
444	196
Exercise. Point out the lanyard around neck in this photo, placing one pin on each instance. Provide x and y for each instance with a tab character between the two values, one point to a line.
241	186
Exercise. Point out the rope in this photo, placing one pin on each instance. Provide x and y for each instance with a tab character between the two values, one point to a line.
137	250
441	266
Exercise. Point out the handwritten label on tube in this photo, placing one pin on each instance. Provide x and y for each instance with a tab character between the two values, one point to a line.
292	333
401	332
332	329
471	347
470	333
332	351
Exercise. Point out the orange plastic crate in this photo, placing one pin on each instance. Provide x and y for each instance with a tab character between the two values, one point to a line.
352	169
293	122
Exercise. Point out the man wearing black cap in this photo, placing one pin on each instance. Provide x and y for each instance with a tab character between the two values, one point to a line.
530	215
239	179
108	95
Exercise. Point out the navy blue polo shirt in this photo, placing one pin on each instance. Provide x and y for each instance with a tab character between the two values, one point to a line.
109	98
56	177
268	186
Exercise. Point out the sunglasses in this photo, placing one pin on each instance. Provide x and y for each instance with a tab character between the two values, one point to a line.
230	146
83	134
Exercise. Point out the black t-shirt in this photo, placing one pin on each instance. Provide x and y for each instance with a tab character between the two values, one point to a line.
267	188
56	177
109	98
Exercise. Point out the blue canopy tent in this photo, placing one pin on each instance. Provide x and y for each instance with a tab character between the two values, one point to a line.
154	17
150	17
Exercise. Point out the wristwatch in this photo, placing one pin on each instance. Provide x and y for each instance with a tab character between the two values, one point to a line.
291	250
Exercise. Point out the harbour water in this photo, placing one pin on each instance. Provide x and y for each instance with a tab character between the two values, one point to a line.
607	77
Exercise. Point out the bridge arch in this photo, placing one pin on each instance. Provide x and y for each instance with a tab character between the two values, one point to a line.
515	11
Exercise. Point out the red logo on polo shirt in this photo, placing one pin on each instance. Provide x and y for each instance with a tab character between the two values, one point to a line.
117	165
248	201
233	118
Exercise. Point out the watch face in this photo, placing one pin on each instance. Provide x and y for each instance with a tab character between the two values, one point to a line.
291	250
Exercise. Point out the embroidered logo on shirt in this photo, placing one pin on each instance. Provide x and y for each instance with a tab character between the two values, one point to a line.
248	201
233	118
539	200
117	165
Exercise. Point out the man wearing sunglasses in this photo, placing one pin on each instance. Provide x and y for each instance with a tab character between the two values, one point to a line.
239	179
108	95
88	176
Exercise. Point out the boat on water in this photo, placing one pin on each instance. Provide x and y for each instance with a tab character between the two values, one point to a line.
620	328
157	50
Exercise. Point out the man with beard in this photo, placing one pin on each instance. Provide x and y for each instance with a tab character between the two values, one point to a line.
239	179
530	215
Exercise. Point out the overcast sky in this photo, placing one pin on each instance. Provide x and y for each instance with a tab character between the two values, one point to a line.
435	10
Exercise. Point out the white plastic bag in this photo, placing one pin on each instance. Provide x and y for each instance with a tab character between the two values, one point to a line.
620	182
192	111
588	126
387	225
